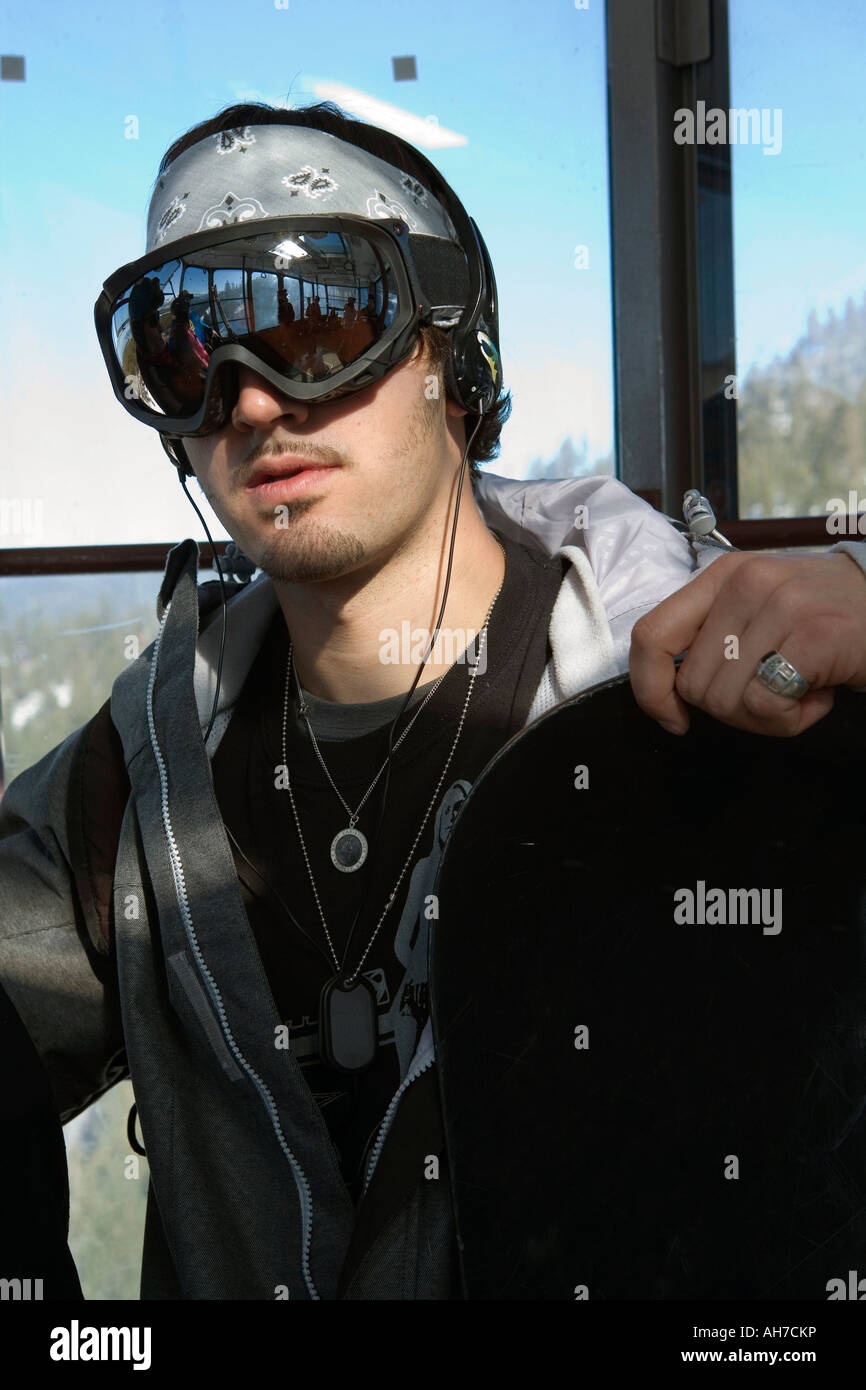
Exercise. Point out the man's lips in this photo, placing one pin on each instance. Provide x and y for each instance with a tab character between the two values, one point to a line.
289	466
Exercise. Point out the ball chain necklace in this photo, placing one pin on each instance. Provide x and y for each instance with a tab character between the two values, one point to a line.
349	847
348	1026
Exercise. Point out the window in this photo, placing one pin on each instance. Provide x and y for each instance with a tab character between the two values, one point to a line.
63	640
799	209
513	114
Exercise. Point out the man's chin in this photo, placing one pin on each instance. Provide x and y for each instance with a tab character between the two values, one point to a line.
309	553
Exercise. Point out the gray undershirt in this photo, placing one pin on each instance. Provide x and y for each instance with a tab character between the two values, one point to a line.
334	722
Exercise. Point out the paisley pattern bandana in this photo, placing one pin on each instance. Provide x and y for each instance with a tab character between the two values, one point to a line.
278	170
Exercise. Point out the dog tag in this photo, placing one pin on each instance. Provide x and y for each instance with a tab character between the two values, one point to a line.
348	1024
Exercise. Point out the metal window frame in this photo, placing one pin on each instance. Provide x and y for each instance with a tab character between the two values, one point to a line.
654	52
766	533
673	269
97	559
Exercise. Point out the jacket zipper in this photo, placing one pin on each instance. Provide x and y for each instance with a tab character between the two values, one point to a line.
300	1177
422	1064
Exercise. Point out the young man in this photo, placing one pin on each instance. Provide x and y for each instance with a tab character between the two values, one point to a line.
246	923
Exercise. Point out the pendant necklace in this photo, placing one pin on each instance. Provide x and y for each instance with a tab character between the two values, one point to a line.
348	1023
349	847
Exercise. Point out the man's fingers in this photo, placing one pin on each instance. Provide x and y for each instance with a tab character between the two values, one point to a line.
672	627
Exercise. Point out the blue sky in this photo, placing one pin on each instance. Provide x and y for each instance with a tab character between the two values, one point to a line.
525	83
799	216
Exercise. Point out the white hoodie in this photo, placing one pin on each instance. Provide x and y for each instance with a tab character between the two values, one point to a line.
624	558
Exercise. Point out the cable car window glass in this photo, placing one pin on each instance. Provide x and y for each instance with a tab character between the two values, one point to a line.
799	211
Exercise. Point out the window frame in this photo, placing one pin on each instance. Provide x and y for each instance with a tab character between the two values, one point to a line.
673	282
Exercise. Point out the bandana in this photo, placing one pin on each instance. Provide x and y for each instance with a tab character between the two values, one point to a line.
291	170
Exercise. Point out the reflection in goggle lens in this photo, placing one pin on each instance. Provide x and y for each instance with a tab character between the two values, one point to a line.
308	306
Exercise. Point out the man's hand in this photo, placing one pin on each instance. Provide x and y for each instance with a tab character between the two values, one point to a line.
811	608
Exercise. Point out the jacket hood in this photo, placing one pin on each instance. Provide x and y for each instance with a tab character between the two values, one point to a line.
624	558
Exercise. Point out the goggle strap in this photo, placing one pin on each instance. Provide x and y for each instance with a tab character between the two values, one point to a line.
442	271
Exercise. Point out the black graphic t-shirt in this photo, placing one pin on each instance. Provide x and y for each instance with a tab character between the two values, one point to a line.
257	811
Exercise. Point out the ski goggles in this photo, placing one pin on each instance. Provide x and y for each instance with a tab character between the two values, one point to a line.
320	306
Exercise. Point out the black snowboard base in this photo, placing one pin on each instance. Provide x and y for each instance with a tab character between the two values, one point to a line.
653	1090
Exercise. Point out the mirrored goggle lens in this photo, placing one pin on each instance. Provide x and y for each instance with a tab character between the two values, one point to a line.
308	305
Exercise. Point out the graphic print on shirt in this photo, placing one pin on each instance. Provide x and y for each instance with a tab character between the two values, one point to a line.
409	1009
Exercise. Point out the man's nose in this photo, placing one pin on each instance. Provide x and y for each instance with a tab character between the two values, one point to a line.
259	403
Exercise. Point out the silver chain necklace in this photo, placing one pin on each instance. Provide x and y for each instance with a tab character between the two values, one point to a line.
349	847
348	1028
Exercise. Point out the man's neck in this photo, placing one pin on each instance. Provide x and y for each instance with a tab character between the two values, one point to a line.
361	638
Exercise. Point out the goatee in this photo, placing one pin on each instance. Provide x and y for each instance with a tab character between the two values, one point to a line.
302	554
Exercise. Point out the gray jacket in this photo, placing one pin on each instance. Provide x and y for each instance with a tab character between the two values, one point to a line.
246	1198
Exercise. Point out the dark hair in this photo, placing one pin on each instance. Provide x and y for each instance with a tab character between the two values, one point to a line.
327	116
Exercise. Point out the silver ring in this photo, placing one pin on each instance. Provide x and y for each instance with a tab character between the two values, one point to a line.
777	674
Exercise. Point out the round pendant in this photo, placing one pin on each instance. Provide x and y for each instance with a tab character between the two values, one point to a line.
348	850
